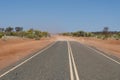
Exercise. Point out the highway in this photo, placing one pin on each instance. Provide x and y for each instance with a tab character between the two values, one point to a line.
65	60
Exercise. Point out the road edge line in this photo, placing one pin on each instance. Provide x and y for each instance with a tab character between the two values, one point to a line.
104	55
100	53
27	60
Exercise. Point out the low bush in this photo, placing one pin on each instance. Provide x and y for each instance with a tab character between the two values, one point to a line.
1	35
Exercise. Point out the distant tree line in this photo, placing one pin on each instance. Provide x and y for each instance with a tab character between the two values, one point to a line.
18	31
78	34
104	34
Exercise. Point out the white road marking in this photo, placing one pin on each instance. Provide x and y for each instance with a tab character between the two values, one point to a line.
70	63
26	60
104	55
75	68
73	61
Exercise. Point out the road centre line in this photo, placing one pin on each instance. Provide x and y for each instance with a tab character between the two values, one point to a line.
27	60
72	61
75	68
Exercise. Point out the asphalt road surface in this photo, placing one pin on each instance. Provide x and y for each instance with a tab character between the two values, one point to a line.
65	60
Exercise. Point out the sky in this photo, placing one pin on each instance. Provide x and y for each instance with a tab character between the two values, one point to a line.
61	15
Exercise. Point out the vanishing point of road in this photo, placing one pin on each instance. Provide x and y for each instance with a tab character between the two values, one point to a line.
65	60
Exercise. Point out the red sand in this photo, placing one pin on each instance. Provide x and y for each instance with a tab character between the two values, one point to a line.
13	50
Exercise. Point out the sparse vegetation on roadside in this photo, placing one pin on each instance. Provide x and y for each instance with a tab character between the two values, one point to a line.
105	34
19	32
1	34
78	34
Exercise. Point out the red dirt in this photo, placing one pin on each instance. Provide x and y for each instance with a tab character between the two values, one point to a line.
13	50
111	47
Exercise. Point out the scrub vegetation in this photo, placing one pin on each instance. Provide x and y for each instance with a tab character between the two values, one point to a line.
105	34
19	32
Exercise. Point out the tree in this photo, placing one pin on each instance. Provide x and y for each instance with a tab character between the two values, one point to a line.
105	29
105	32
31	30
9	29
66	34
44	34
38	33
18	29
1	32
1	29
89	34
79	33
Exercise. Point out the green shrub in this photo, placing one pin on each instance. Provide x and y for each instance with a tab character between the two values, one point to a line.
1	35
31	36
37	38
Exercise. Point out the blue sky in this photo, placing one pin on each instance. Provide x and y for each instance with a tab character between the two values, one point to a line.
61	15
